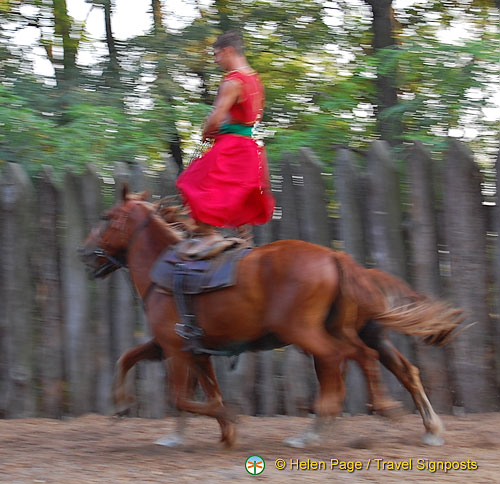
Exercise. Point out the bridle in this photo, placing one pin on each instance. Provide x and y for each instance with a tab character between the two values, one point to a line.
119	262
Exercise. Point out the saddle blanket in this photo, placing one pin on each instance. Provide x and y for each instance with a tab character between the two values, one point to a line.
198	276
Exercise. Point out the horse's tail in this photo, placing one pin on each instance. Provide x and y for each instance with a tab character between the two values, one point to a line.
396	306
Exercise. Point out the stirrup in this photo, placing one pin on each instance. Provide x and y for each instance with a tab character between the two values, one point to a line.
191	335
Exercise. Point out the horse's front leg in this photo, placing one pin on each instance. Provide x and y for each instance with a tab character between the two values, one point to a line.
177	437
208	381
122	399
329	358
179	367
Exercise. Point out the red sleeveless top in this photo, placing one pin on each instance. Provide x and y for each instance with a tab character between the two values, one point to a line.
249	110
228	185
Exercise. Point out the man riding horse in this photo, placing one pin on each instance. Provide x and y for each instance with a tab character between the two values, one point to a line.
229	185
284	293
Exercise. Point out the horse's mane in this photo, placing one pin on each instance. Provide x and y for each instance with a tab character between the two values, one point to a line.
173	219
175	216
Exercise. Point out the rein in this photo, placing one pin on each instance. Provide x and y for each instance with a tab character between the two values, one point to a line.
119	261
114	261
118	264
199	150
99	252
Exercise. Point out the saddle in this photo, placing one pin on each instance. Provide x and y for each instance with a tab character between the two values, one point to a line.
199	276
187	278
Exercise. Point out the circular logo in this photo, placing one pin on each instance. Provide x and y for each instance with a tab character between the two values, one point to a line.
255	465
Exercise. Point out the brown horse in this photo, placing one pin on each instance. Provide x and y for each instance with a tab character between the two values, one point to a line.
288	292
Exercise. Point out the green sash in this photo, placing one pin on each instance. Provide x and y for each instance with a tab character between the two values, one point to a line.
235	128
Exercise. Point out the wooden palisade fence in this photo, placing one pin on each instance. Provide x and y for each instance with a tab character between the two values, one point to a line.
61	334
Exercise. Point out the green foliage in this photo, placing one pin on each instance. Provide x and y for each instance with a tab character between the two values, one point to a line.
96	134
446	86
25	137
319	72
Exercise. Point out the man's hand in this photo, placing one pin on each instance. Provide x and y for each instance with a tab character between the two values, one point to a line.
207	135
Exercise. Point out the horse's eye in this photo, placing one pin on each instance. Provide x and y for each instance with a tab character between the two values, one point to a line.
105	217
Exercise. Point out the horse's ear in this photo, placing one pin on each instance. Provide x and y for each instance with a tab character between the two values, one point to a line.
145	195
125	192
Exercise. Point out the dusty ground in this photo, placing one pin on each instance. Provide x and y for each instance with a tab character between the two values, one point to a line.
96	449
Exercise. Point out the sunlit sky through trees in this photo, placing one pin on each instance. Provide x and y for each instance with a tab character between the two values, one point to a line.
133	17
316	59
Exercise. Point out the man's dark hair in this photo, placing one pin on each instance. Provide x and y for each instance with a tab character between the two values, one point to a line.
232	38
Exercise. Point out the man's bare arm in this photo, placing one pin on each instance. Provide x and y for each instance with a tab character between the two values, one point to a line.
229	93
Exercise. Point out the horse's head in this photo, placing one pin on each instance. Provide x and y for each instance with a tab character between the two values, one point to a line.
106	247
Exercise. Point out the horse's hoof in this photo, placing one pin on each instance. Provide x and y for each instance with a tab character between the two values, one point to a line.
392	412
120	414
432	439
228	414
301	441
172	441
295	442
229	437
123	405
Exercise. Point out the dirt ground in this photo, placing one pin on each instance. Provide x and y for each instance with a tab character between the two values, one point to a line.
98	449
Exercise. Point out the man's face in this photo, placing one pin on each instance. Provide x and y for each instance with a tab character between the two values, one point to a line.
221	57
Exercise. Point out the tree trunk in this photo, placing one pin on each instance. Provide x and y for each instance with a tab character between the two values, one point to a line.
206	96
162	80
390	129
110	40
67	76
112	74
175	148
157	17
223	9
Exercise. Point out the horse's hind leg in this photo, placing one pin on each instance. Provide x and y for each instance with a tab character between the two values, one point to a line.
146	351
368	360
328	357
408	375
343	323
